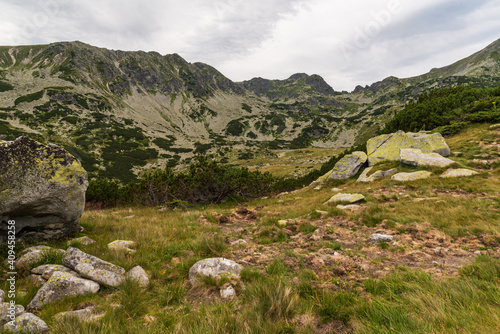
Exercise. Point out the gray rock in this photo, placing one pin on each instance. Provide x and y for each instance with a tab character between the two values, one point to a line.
348	166
9	311
139	275
348	207
102	276
74	256
27	323
2	296
227	291
42	188
415	157
376	237
33	254
241	241
215	267
61	285
422	174
47	270
347	198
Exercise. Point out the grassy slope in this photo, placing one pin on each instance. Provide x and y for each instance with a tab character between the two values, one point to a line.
428	281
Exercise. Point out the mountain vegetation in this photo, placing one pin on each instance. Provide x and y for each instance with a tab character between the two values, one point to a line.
121	113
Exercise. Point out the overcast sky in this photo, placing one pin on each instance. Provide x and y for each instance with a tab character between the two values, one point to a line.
348	43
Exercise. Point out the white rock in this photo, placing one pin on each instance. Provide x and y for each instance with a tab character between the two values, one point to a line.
122	245
215	267
82	241
349	198
102	276
227	291
422	174
376	237
415	157
2	296
139	275
27	323
74	256
459	172
282	222
348	207
239	242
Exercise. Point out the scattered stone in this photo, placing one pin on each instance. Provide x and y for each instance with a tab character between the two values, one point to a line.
348	207
47	270
459	172
139	275
364	178
2	296
215	267
481	161
376	237
477	252
122	245
335	190
227	291
387	147
348	166
411	176
317	188
93	268
27	323
61	285
415	157
84	241
239	242
43	190
348	198
494	126
86	315
6	310
282	222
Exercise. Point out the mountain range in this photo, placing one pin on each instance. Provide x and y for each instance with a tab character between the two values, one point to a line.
122	112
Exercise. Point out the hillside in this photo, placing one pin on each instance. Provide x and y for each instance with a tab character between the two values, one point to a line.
309	267
121	112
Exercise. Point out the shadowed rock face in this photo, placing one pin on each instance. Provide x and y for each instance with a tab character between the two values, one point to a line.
42	188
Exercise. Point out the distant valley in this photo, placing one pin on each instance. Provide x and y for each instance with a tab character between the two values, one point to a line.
122	112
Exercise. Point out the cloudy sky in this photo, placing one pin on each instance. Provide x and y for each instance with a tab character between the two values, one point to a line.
346	42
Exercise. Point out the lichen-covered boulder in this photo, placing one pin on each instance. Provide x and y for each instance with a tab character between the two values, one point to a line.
459	172
42	189
421	174
215	267
34	254
387	147
27	323
61	285
415	157
93	268
122	245
364	177
46	270
348	166
9	311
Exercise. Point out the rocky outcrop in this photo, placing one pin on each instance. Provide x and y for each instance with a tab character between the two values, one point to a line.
348	166
215	267
387	147
415	157
61	285
42	189
422	174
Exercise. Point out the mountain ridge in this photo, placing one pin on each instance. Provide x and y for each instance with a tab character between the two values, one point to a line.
150	110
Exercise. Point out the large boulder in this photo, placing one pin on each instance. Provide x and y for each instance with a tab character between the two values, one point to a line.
27	323
42	189
348	166
61	285
387	147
